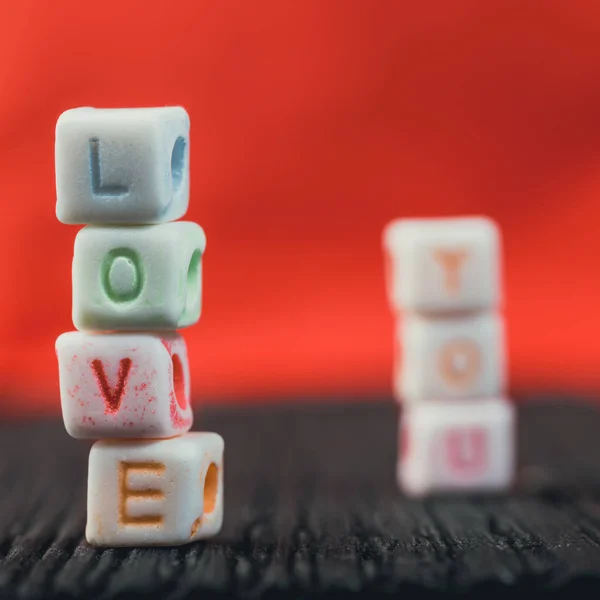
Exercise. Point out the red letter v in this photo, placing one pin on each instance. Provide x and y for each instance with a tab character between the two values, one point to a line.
112	398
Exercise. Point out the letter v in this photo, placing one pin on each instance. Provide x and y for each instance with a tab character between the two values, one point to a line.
112	398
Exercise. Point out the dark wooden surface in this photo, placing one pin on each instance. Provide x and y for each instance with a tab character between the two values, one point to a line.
312	509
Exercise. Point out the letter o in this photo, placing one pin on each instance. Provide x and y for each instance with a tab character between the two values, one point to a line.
122	275
460	363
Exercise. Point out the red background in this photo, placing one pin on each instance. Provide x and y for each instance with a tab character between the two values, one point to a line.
313	124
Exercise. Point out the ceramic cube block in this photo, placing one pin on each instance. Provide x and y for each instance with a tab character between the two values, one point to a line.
457	446
145	277
441	265
124	384
455	358
155	492
126	165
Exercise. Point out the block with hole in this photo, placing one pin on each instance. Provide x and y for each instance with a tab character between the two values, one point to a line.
457	446
124	385
155	492
459	357
134	278
441	265
122	165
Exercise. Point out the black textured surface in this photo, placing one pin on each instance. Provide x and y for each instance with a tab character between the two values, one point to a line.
312	509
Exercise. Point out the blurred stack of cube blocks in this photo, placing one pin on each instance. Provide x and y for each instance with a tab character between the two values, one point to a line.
136	279
444	285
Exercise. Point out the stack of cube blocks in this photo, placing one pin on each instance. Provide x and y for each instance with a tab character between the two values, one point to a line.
124	374
444	285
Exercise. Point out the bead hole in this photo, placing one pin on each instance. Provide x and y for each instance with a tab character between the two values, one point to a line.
178	163
192	291
211	487
179	382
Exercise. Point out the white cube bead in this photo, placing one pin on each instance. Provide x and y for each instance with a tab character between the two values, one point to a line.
125	165
155	492
456	357
457	446
132	278
441	265
134	385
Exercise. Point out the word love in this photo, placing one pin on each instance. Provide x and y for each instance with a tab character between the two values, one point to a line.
124	173
124	385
